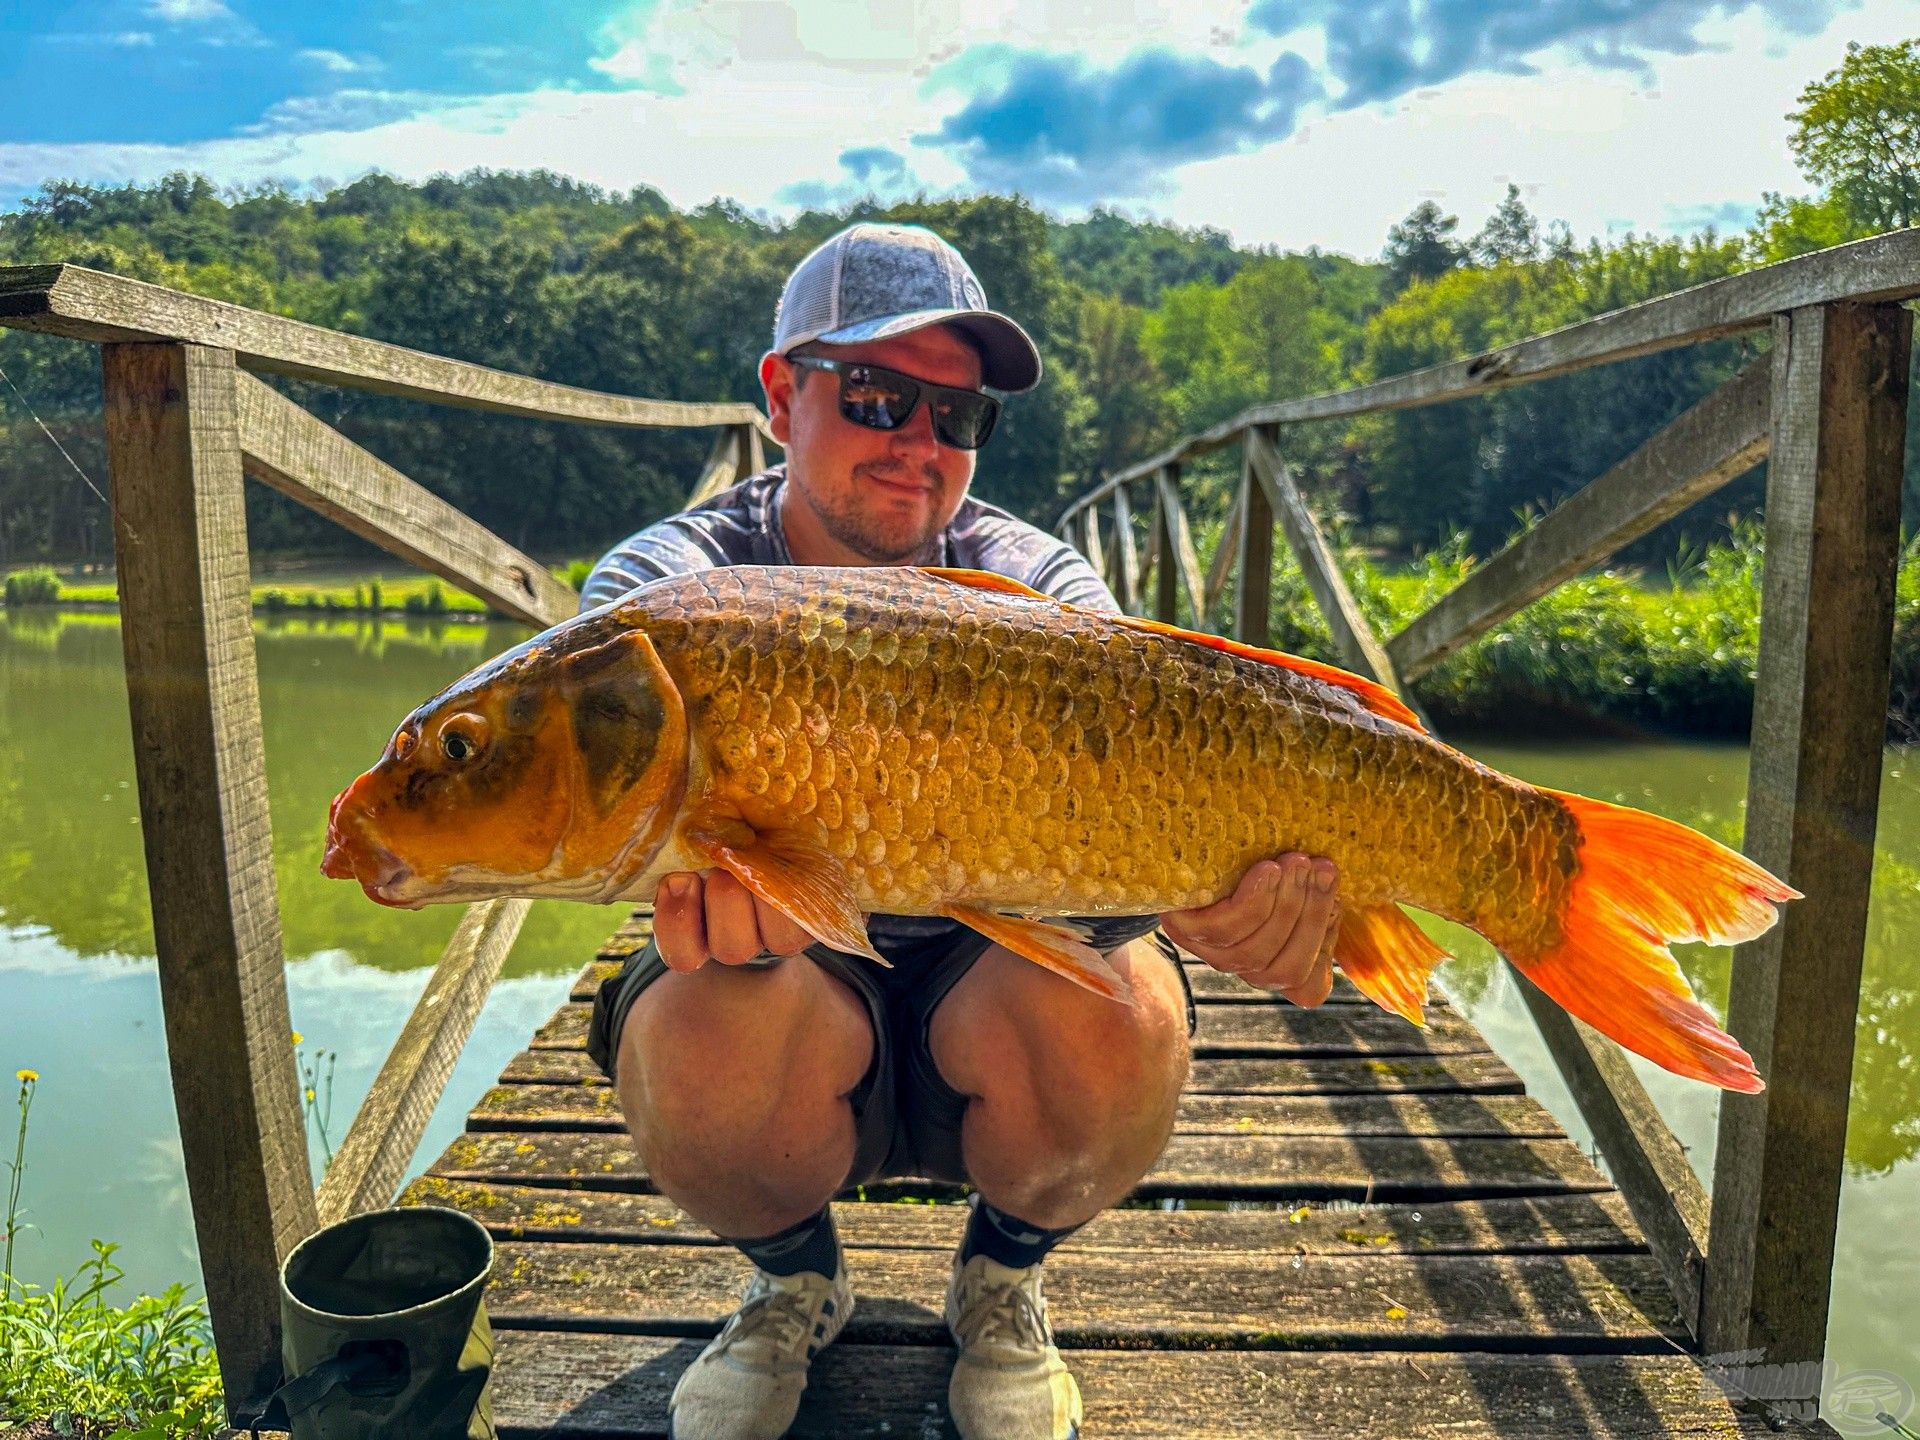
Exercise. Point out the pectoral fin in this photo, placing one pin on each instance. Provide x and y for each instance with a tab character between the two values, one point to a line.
792	873
1388	958
1057	947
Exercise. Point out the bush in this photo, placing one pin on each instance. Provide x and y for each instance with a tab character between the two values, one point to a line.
274	601
39	586
374	601
575	573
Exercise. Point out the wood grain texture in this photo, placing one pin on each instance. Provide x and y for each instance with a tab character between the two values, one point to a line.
1210	1300
1263	1167
1090	545
1179	539
587	1108
1716	441
1482	1073
1252	559
1883	268
309	461
1529	1225
1126	557
596	1385
1643	1156
379	1145
180	537
1225	555
89	305
1833	535
1352	636
1226	1031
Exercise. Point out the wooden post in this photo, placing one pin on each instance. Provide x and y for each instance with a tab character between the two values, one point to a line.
1253	593
1833	515
1090	531
752	451
1168	558
1126	559
186	623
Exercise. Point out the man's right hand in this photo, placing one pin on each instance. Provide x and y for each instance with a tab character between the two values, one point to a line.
709	915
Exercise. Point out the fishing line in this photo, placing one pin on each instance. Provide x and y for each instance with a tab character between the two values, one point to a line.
54	440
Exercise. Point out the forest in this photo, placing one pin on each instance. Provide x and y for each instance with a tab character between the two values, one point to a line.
1149	330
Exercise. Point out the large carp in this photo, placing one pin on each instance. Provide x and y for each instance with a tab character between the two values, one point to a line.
947	742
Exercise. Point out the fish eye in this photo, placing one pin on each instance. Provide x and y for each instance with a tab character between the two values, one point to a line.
457	744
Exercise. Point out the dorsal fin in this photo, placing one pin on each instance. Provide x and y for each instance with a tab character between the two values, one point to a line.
1374	697
986	580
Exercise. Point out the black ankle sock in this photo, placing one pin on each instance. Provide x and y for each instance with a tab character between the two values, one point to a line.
1004	1238
810	1245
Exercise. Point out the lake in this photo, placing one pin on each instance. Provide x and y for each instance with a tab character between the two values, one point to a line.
79	1000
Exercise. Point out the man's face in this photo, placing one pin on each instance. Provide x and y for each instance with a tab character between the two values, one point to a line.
875	497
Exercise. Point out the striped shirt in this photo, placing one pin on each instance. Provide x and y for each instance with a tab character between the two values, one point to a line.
742	526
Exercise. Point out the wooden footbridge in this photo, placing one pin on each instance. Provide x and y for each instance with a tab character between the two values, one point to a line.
1358	1227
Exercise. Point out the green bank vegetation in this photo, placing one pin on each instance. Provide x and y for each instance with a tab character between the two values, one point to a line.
85	1358
338	592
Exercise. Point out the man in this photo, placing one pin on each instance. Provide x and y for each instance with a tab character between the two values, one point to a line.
760	1072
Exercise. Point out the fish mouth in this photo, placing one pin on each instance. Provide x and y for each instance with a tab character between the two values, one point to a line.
380	872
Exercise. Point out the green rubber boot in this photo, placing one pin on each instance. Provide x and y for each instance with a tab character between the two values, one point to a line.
383	1330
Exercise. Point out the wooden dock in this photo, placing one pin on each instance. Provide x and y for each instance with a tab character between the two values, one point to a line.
1431	1256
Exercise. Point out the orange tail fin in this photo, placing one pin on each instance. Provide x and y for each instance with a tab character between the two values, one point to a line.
1644	882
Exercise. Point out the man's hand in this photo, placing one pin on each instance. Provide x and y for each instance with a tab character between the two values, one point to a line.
712	916
1275	931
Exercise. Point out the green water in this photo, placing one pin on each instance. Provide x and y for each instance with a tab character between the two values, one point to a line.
79	1001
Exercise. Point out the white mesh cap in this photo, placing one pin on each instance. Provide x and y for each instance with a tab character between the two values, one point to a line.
872	281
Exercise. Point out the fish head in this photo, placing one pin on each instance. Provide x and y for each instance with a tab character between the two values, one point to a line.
555	769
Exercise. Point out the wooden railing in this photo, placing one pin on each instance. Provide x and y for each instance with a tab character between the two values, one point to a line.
1750	1268
184	425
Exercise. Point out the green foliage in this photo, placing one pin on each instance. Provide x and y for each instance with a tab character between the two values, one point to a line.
38	586
1857	132
575	573
71	1357
1422	247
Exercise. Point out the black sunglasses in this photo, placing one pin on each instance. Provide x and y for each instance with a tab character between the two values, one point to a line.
883	399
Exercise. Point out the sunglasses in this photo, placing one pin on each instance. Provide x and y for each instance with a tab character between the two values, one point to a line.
883	399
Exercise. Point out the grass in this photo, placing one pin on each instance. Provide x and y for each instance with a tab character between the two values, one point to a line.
80	1356
323	589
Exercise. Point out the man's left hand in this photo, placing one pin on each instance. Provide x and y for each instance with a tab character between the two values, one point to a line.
1275	931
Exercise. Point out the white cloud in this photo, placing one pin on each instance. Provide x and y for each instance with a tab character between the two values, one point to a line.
189	11
333	61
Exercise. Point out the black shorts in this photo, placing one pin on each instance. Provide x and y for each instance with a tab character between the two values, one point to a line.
906	1117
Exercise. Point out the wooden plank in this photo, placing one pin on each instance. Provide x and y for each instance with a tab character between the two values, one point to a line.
1352	635
1714	442
616	1386
86	304
1645	1159
1253	563
309	461
180	537
379	1145
721	472
1883	268
1126	555
1243	1167
1224	1030
1593	1222
1564	1303
752	449
1223	558
1819	718
1483	1073
588	1108
1181	548
1090	543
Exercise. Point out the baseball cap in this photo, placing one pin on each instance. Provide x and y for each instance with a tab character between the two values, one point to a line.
873	281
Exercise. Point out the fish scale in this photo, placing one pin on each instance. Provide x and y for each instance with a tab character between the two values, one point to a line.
937	742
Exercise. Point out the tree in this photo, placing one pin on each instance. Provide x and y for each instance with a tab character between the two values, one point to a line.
1857	131
1422	247
1511	234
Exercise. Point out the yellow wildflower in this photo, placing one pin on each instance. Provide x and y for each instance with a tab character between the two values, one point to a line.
298	1037
26	1077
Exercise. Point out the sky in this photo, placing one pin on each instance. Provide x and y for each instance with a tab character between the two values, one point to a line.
1283	122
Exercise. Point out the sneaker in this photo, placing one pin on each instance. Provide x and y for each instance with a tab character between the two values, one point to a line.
746	1385
1009	1382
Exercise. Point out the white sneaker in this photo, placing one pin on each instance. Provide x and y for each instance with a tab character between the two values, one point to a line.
746	1385
1009	1382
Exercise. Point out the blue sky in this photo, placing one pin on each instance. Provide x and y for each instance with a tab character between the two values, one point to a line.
1289	122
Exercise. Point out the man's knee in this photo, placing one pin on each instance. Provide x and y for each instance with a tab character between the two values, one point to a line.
725	1051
